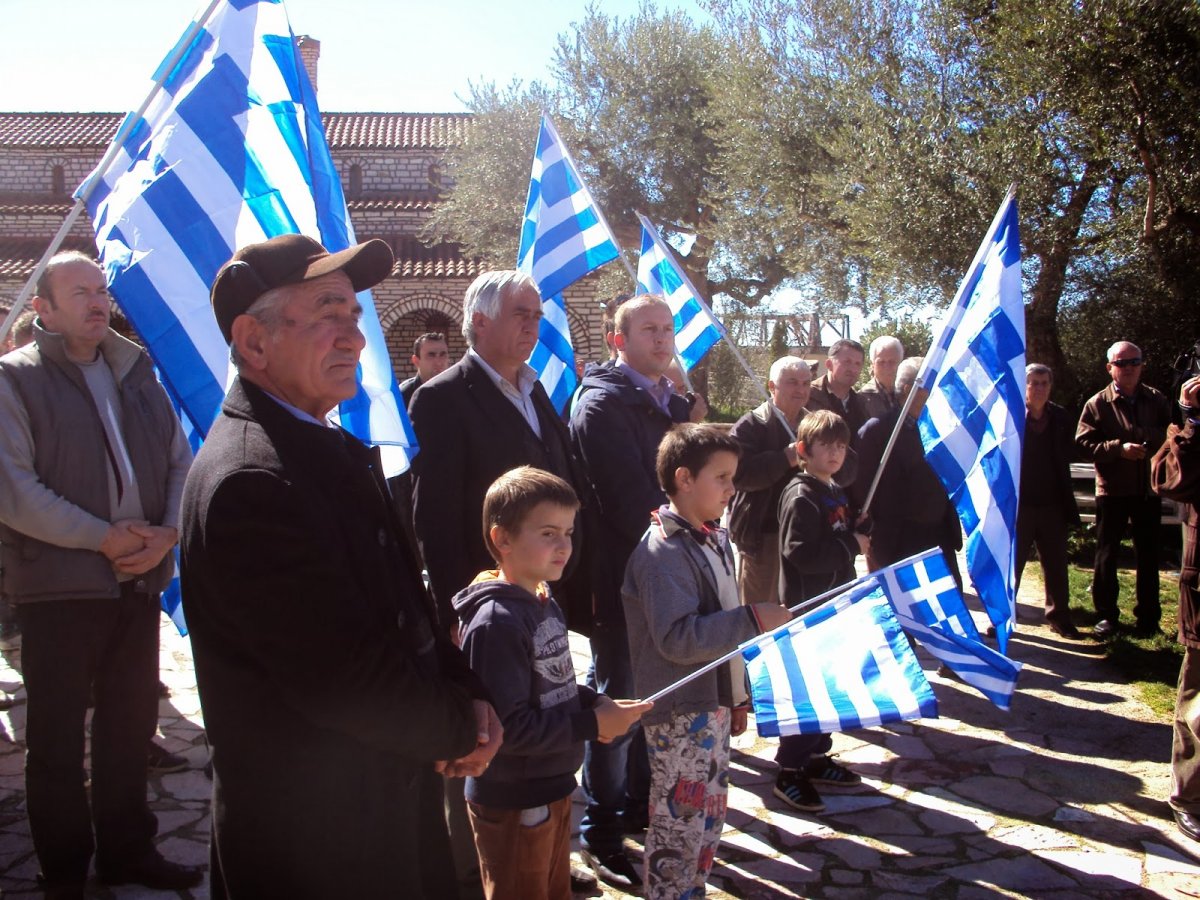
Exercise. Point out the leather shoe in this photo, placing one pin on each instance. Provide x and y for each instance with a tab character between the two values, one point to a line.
1188	824
1105	628
582	881
1148	629
154	872
615	869
1068	631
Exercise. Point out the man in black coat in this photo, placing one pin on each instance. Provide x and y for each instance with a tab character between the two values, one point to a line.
331	699
620	416
1047	508
480	418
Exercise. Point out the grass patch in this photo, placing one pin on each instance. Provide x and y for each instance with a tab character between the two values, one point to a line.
1150	664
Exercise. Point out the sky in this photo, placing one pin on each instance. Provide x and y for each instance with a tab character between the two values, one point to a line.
376	55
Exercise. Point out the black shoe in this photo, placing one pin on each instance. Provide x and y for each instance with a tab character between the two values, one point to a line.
1068	631
160	761
635	821
1188	824
582	880
615	869
1106	628
826	772
1147	630
797	792
60	890
154	872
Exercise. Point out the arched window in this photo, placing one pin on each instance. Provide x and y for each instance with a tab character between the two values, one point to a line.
58	181
355	181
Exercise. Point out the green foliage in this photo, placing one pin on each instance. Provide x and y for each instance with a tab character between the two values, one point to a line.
724	379
914	333
779	344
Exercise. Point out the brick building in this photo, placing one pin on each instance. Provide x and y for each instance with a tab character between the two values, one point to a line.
390	166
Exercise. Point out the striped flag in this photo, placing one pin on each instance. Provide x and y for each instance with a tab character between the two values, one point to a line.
563	237
931	609
696	328
845	665
231	151
973	423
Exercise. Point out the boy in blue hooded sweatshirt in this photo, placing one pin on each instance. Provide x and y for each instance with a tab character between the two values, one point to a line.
515	638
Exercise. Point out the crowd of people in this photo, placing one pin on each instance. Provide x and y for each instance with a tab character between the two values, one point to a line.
438	746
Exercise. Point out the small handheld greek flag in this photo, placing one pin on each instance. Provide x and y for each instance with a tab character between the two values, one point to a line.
696	328
845	665
973	423
563	237
230	151
931	609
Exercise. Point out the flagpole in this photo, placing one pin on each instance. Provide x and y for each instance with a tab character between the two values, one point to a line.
114	147
806	606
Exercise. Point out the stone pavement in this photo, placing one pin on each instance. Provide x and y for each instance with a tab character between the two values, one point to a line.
1062	797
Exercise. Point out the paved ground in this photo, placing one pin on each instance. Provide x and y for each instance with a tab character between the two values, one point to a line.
1062	797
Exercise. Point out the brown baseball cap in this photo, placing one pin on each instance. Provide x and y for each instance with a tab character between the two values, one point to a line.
291	259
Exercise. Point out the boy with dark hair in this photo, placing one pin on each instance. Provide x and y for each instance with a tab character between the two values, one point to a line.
682	608
817	546
515	638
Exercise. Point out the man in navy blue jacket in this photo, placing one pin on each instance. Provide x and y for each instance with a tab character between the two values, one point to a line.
621	413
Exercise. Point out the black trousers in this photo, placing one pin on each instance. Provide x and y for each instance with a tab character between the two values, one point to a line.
68	648
1112	514
1045	527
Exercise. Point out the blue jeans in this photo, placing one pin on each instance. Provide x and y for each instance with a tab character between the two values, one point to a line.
616	776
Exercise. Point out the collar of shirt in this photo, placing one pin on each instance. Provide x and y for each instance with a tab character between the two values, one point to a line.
526	377
299	413
660	391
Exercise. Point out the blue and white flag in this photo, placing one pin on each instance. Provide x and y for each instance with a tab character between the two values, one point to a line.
845	665
931	609
973	422
230	151
563	237
696	328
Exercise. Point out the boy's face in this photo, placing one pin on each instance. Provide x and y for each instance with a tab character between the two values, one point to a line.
539	549
823	458
710	490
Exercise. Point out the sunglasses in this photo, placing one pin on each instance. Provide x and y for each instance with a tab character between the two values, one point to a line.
1126	363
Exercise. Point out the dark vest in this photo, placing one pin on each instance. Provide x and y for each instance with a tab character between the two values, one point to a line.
70	458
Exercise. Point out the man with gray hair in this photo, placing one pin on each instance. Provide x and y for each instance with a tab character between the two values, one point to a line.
879	394
92	465
1119	430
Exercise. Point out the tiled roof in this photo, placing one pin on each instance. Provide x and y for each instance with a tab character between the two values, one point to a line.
398	203
413	259
19	256
14	206
366	131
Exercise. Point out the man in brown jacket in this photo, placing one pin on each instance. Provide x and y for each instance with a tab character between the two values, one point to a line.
1176	474
1120	429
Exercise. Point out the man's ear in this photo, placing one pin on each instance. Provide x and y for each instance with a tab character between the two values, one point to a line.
250	338
618	340
414	360
828	365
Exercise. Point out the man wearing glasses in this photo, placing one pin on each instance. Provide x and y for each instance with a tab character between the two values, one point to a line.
1120	429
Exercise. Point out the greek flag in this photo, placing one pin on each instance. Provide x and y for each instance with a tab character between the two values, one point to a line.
696	328
931	609
563	237
230	151
845	665
973	423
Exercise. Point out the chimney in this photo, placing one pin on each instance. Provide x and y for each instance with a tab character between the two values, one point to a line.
310	52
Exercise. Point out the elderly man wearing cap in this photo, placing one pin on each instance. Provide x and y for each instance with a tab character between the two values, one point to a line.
92	463
331	700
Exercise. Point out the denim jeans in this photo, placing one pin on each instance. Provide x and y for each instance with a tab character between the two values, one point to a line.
616	776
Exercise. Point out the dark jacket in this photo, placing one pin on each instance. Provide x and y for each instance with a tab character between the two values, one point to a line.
71	457
616	429
854	412
877	401
1175	474
327	692
1108	420
763	471
517	644
408	387
470	435
1059	429
816	544
911	510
